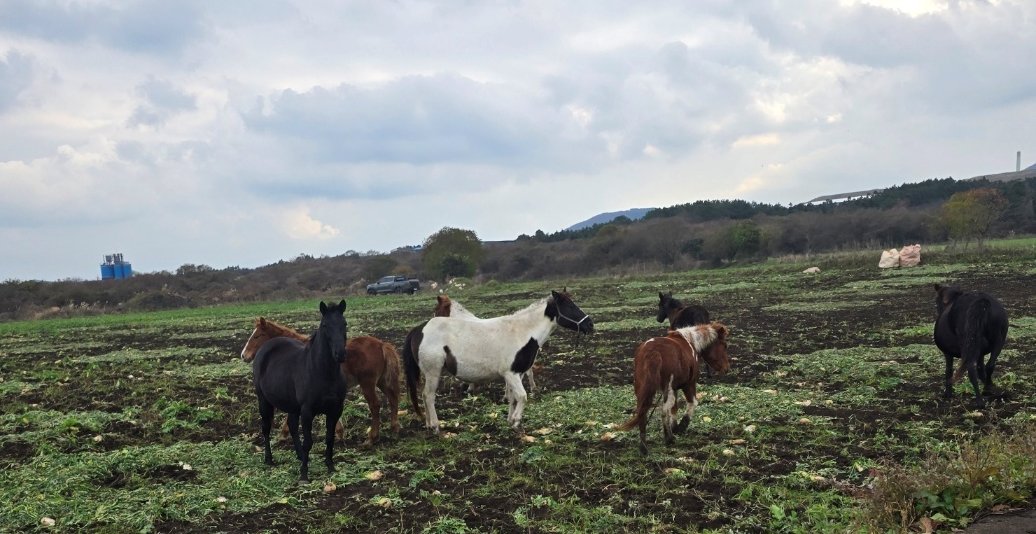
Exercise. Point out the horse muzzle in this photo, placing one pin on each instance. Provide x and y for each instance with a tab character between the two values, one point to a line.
586	326
340	355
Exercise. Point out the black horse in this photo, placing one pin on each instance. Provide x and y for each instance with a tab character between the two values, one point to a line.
969	325
303	379
680	316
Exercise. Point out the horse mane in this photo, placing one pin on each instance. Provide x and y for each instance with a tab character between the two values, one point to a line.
458	310
699	337
538	305
280	330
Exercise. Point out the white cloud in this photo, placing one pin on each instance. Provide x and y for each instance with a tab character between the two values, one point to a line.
299	224
308	126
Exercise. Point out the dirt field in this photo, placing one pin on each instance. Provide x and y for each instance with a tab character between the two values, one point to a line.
149	421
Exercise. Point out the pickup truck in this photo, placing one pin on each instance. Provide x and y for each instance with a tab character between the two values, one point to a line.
394	284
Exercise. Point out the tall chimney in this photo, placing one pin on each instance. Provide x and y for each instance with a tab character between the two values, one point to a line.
1018	162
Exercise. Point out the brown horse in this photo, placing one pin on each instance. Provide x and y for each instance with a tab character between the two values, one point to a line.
670	364
371	363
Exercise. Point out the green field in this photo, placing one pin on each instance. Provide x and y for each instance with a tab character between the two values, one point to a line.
831	419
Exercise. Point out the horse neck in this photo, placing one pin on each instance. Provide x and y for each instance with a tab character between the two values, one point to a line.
319	352
279	330
533	317
460	312
699	337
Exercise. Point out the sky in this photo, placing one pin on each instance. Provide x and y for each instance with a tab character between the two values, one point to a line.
241	133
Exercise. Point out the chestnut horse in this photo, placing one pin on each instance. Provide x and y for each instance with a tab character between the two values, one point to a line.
371	363
444	307
670	364
680	316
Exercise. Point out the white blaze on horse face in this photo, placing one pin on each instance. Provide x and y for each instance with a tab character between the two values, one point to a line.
249	340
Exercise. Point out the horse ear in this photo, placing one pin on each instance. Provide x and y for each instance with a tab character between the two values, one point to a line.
554	294
261	321
323	307
722	331
938	288
661	296
342	305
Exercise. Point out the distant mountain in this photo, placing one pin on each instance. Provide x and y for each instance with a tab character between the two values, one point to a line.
634	214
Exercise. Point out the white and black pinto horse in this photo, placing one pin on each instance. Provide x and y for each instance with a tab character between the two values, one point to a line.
445	307
483	350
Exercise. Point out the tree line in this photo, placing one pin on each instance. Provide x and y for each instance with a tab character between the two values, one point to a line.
700	234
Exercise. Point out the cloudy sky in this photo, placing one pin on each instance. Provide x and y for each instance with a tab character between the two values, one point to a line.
241	133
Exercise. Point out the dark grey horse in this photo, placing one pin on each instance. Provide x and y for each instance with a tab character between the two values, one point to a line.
303	379
969	325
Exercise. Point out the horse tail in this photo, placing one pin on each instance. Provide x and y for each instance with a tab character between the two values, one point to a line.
412	369
388	352
975	319
645	386
644	398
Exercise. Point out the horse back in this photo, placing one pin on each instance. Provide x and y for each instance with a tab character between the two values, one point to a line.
663	358
973	318
689	316
366	357
281	375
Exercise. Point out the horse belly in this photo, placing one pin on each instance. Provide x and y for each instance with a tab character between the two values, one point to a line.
475	371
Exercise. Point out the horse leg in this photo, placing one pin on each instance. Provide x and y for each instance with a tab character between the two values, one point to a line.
333	417
998	345
948	393
973	378
518	398
371	394
266	414
292	424
285	430
431	418
391	392
689	393
532	380
645	397
307	443
668	410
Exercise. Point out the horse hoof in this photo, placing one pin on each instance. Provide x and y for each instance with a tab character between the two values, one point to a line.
643	449
303	481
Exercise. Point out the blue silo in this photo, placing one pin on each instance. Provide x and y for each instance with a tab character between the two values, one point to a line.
107	271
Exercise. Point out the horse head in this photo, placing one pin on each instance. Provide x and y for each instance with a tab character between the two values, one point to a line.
333	329
565	313
442	306
665	303
264	331
944	297
715	354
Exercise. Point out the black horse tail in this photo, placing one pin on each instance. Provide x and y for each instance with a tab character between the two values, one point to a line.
975	319
410	367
